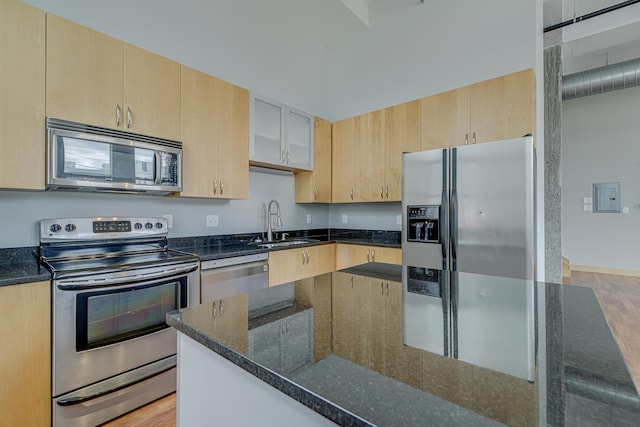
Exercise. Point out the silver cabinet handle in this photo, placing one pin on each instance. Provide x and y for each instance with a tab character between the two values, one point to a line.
315	283
287	156
351	282
382	192
308	256
387	290
118	115
466	139
473	140
315	193
387	192
221	308
368	255
373	255
286	326
304	258
129	117
381	288
351	193
215	185
221	186
214	310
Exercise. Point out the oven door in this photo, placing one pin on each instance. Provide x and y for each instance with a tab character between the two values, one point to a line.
104	330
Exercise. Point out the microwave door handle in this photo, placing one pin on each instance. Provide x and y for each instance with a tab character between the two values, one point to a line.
158	168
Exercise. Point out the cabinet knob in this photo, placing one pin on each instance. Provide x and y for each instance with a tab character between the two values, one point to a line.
473	139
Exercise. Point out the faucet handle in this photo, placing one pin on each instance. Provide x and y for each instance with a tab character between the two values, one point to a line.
284	236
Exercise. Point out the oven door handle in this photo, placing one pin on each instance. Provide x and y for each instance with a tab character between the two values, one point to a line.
85	283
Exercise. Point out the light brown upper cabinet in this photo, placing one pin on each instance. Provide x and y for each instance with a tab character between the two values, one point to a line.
500	108
316	186
22	92
95	79
367	153
342	161
215	137
402	135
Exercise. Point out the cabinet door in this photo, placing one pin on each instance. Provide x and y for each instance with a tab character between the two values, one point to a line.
403	363
84	75
151	94
320	260
402	135
445	119
199	123
369	152
299	139
316	186
322	316
298	341
25	362
266	345
342	157
232	322
351	255
370	312
22	96
504	107
343	315
267	131
232	112
387	255
286	266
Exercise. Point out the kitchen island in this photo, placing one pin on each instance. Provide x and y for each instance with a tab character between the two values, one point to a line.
357	347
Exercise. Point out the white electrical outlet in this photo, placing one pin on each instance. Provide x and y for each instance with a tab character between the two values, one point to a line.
399	219
212	220
345	219
625	209
169	219
308	218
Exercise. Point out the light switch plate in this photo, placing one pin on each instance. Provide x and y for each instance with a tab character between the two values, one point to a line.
308	218
399	219
587	208
345	218
169	219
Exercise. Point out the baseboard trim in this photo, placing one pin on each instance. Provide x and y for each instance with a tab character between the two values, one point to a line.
605	270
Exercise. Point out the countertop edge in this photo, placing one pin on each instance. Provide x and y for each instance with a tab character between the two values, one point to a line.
305	397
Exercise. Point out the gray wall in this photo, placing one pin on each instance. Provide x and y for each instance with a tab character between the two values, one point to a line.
600	143
21	211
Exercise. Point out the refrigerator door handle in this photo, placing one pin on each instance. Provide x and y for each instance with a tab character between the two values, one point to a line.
453	210
444	202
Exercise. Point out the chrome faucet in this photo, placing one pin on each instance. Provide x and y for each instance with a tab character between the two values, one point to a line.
278	220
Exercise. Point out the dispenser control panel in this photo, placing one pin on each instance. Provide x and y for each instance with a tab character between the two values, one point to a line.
423	223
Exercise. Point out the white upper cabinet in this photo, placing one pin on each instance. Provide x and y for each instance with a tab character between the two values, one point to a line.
280	136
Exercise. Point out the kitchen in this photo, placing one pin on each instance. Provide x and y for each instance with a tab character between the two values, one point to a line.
25	209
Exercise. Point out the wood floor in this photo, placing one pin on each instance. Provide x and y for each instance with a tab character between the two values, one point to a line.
161	413
619	297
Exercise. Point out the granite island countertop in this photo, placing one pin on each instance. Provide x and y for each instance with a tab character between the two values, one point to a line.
373	360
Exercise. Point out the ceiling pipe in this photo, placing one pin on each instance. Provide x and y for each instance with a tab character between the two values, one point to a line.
612	77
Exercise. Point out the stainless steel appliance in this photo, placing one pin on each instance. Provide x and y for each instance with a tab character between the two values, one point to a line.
488	321
227	277
471	208
113	281
90	158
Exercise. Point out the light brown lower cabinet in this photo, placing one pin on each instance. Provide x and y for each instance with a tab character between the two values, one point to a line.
348	255
25	359
297	264
316	292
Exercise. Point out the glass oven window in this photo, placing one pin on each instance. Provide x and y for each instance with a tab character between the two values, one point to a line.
108	316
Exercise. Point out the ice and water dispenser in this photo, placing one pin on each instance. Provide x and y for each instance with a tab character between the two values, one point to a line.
423	224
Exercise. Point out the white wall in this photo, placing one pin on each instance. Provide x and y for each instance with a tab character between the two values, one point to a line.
600	143
421	49
21	211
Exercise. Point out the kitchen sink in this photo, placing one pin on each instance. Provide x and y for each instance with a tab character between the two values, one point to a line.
285	243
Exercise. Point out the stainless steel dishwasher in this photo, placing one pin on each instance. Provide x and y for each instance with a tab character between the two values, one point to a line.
226	277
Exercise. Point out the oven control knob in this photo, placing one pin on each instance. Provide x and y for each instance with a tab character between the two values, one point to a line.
69	228
158	225
138	226
148	226
54	228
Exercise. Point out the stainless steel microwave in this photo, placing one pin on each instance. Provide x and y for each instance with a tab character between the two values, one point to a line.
90	158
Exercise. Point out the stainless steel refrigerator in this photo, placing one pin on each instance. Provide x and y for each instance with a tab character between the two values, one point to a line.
471	208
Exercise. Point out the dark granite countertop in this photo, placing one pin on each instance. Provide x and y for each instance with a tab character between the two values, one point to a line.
20	265
465	351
